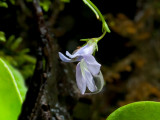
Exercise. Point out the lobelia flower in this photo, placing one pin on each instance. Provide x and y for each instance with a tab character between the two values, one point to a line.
88	73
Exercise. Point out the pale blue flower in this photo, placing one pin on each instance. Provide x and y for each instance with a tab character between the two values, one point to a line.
87	70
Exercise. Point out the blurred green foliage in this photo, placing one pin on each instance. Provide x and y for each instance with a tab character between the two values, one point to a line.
2	36
17	56
66	1
12	1
45	4
4	4
12	91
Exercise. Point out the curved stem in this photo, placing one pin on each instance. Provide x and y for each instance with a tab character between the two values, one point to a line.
98	14
99	38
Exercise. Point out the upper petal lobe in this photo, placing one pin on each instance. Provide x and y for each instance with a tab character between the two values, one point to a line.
64	58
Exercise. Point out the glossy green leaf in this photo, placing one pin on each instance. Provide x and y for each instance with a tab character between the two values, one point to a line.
12	92
145	110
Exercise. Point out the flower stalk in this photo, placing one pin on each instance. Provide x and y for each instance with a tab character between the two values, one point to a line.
88	74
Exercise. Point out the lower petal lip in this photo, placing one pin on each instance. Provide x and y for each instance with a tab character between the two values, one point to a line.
81	83
87	76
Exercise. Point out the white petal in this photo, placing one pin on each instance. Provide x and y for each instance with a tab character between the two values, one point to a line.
87	76
64	58
69	55
85	50
92	65
90	82
81	83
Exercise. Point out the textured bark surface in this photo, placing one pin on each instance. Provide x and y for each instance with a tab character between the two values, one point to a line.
47	93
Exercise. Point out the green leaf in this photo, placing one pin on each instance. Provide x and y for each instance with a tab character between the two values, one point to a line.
3	4
66	1
2	36
10	41
12	91
16	43
145	110
12	2
45	4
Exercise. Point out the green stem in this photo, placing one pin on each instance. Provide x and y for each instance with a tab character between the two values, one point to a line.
98	14
99	38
